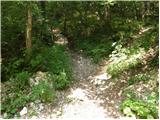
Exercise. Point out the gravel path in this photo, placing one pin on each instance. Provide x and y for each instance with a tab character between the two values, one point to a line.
91	95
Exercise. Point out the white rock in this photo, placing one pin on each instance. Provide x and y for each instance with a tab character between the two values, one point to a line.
139	89
120	93
102	89
41	107
107	98
106	87
23	111
111	84
31	104
103	76
112	101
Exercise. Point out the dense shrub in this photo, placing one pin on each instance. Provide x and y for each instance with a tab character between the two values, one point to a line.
43	91
52	59
122	60
96	46
14	103
140	109
139	77
145	104
11	67
21	80
60	81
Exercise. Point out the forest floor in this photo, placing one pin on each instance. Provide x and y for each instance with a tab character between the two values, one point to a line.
91	95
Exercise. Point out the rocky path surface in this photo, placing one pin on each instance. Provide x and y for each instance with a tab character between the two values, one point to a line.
91	95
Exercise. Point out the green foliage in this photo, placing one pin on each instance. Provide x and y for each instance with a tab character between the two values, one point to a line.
133	105
60	81
86	22
99	52
11	67
126	26
138	108
14	26
13	103
43	91
155	61
138	77
123	60
153	97
17	99
129	94
21	80
52	59
95	46
147	39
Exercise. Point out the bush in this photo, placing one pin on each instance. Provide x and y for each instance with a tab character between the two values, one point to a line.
17	98
21	80
138	77
43	91
11	67
14	103
138	108
123	60
51	59
95	46
60	81
155	61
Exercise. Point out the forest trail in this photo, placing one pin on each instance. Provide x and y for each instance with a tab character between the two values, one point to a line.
89	60
91	95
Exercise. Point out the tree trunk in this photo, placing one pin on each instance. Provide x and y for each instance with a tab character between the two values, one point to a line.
65	25
29	34
107	17
135	11
44	24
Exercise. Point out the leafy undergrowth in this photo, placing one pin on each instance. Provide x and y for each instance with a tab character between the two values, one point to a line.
137	54
128	37
122	60
96	46
140	109
127	56
22	87
141	96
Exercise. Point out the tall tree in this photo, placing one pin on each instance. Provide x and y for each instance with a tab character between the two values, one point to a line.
43	13
29	32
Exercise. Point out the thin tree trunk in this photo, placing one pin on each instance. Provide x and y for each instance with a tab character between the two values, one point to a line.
107	17
135	11
29	33
43	13
65	25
